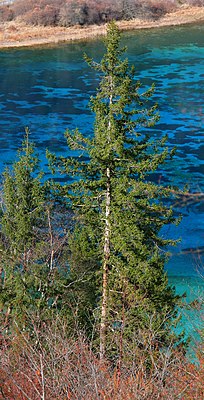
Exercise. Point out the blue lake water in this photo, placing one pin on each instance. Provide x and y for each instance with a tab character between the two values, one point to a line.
48	90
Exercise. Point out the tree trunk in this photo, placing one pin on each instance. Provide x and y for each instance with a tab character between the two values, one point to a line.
106	250
103	327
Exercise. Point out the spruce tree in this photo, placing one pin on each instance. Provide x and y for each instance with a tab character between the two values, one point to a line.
36	283
119	210
22	214
32	249
22	201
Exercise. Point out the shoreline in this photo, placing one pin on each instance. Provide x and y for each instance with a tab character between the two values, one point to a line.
15	34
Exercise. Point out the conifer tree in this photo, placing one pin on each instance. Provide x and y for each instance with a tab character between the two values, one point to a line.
36	283
32	249
119	210
22	199
22	214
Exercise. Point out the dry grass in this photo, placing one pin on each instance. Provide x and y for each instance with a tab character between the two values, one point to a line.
17	34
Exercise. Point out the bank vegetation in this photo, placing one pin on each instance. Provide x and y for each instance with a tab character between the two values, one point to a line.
25	23
87	12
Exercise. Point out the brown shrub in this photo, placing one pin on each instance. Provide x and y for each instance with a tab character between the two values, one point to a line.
85	12
21	7
158	8
89	12
51	366
6	14
43	12
199	3
42	16
73	13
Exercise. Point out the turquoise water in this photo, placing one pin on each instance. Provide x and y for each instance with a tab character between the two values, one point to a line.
48	89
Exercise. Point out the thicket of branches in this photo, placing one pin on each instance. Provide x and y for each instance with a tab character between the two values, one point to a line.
84	12
49	366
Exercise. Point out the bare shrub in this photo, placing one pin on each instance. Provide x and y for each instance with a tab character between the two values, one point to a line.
199	3
85	12
89	12
48	364
43	12
39	16
73	13
111	11
132	9
6	14
158	8
21	7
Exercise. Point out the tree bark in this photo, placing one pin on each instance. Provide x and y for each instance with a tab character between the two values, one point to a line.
103	327
106	250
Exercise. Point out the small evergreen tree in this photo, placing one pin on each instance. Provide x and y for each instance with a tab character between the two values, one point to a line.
119	210
36	282
23	199
22	214
32	252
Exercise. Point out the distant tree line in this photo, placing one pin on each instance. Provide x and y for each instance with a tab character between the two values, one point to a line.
85	12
